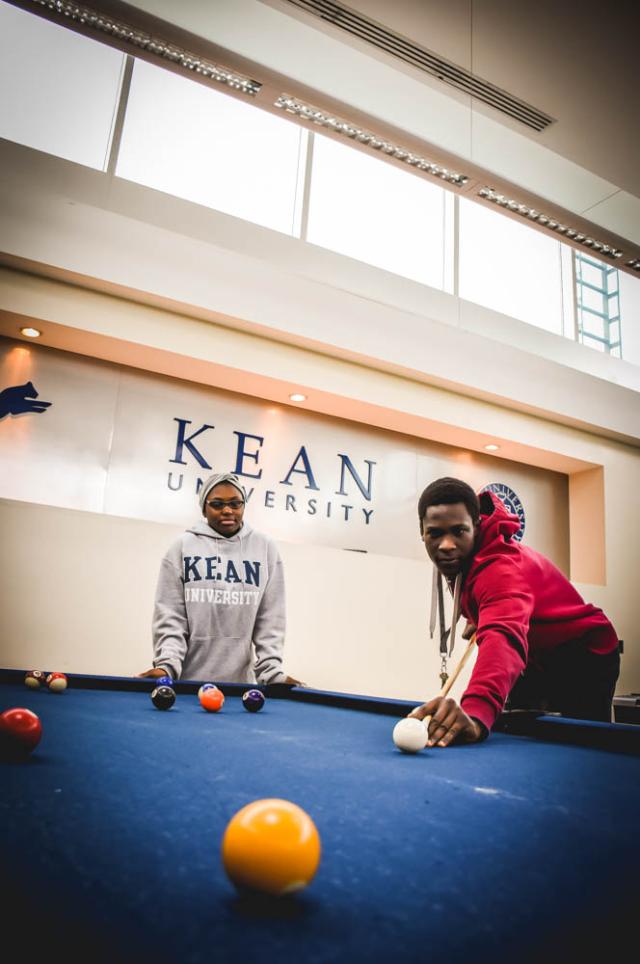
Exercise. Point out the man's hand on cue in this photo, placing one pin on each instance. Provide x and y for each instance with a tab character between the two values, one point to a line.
448	722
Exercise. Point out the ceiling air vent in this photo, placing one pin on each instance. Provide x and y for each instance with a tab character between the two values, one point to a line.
423	59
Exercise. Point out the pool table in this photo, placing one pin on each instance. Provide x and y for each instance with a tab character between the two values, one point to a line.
523	848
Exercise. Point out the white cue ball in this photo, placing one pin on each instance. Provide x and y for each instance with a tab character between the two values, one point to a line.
410	735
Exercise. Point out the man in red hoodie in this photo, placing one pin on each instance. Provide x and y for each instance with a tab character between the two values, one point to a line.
539	644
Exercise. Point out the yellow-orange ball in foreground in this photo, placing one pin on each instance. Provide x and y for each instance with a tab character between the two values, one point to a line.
271	846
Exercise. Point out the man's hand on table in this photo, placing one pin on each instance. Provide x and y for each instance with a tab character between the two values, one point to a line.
153	674
448	722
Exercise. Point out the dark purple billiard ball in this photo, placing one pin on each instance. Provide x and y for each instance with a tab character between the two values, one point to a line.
253	700
163	697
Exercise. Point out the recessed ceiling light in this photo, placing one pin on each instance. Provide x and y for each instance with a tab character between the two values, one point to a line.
31	332
298	397
492	448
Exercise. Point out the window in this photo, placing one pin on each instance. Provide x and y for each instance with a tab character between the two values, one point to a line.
510	267
630	317
598	304
369	210
59	89
195	143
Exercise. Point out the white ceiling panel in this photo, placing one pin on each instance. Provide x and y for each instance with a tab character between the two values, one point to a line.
620	213
535	167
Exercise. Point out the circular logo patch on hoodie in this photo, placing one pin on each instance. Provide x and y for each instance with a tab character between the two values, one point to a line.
512	504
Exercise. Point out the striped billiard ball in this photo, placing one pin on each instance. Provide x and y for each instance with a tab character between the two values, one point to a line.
56	682
206	686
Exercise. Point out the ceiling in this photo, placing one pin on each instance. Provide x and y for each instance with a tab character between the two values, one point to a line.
575	61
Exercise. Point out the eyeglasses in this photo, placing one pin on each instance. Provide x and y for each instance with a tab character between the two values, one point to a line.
218	504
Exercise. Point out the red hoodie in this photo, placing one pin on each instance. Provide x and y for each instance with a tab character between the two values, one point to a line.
522	605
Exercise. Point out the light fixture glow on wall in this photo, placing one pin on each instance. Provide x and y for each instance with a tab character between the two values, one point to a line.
298	397
30	332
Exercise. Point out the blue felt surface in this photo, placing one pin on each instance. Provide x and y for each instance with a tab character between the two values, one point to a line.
511	849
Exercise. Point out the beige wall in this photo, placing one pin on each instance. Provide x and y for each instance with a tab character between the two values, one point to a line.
96	264
77	588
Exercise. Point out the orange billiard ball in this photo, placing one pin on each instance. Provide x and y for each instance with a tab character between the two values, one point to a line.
211	699
271	846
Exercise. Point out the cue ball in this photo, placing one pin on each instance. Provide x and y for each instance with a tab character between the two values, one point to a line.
20	732
56	682
271	847
253	700
163	697
410	735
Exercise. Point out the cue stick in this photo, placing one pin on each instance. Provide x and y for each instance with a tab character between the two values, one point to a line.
461	663
447	686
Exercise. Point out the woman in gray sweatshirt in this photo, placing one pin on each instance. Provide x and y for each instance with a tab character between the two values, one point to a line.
220	606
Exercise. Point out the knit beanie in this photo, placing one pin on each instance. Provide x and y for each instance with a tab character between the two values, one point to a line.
216	479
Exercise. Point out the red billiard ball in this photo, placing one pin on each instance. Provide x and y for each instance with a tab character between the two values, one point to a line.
56	682
253	700
20	732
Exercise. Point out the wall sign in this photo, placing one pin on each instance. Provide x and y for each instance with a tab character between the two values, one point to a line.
89	435
512	503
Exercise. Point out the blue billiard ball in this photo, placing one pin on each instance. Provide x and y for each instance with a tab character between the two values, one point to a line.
164	681
253	700
163	697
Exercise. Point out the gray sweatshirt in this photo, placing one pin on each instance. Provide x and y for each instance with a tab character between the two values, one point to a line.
216	597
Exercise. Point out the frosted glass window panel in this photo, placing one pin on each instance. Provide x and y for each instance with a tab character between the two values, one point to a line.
509	267
630	317
592	299
367	209
59	90
188	140
591	273
592	325
591	343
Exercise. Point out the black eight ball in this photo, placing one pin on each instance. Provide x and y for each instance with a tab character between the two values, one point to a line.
163	697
